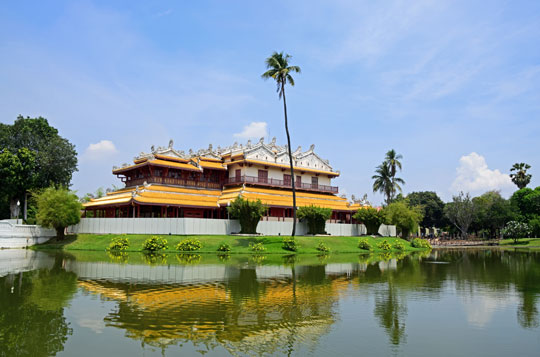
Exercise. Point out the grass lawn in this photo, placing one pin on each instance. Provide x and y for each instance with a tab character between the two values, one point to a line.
521	243
210	244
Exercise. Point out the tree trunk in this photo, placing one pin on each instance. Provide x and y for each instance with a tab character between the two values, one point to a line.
290	159
60	233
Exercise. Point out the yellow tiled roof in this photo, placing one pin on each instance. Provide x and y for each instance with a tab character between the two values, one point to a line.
283	198
212	165
174	196
283	166
159	162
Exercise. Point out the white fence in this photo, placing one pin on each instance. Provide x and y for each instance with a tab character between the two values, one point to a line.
184	226
19	236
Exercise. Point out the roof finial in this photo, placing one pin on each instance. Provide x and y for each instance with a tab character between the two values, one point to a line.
171	143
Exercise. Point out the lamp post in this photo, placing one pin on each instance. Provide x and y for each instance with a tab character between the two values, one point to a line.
18	210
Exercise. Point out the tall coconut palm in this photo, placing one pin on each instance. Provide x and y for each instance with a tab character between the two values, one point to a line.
383	181
521	178
278	68
393	163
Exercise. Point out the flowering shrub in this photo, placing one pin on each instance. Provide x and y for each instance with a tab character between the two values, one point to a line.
224	247
289	243
323	248
155	243
399	246
257	247
119	243
189	245
384	245
420	243
364	244
516	230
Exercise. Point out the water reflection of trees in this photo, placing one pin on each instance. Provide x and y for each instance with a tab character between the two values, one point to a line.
32	321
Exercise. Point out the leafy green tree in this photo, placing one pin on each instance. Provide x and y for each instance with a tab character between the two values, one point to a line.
404	217
520	177
316	218
17	174
58	208
55	157
371	217
460	212
432	205
278	69
526	202
492	212
248	212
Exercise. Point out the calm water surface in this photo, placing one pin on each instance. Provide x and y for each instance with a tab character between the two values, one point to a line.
446	303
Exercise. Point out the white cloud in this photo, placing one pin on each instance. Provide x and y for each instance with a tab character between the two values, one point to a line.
255	129
473	174
100	150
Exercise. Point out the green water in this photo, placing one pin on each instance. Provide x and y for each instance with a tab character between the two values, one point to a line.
446	303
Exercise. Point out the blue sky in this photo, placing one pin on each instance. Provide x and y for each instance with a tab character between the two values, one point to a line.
454	86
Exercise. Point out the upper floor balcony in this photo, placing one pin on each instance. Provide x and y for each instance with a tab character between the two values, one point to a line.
175	182
279	183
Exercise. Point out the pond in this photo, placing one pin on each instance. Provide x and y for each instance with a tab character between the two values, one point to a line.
445	302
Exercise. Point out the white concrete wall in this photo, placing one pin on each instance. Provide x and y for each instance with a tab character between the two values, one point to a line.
195	226
20	236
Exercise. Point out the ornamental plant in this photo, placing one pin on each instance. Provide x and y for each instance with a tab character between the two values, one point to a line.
399	246
323	248
118	244
384	245
516	230
189	245
257	247
291	244
154	244
371	218
315	217
248	213
224	247
420	243
364	244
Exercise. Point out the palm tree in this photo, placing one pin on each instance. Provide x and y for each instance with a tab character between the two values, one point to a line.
278	68
383	181
521	178
393	163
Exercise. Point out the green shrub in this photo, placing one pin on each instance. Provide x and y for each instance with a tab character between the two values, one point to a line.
399	246
119	243
420	243
224	247
364	244
316	218
384	245
371	218
257	247
322	247
155	243
248	213
189	245
291	244
404	217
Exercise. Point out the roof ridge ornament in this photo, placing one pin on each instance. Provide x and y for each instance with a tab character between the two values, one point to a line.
171	143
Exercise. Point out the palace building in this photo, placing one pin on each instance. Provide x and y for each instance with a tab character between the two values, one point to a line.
171	183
